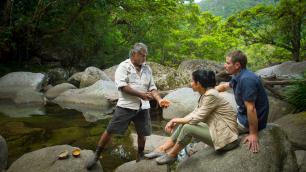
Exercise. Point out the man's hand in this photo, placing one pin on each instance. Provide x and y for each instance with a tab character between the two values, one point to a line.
146	96
163	103
252	140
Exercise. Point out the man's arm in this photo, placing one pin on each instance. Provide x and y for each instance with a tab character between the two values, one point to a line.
223	87
144	96
252	138
162	102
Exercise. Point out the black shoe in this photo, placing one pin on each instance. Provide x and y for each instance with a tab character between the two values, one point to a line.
139	156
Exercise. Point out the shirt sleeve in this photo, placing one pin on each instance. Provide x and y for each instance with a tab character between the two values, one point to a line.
248	89
201	113
121	76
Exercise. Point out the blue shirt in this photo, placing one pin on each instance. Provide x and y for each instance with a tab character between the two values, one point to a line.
247	86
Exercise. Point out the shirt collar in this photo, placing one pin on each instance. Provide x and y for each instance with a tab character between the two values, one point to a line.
238	75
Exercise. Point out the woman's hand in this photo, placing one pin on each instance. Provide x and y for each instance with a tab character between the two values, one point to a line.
170	126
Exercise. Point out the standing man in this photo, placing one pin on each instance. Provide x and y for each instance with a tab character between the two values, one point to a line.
136	87
250	96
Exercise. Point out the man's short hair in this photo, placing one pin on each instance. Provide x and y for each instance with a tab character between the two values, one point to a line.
238	56
137	48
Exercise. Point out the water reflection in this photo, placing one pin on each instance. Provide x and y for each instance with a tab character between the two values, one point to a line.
38	127
17	111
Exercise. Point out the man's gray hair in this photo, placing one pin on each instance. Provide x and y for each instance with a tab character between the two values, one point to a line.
137	48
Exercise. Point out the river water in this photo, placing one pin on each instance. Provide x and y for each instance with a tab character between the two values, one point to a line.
28	128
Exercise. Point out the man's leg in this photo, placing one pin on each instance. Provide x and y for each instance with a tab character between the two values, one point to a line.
141	140
104	139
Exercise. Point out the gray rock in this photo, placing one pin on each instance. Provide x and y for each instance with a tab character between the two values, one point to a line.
57	76
46	160
286	70
91	75
152	141
143	166
13	82
58	89
3	154
301	160
294	126
75	79
278	108
275	155
110	72
164	77
29	96
182	102
97	97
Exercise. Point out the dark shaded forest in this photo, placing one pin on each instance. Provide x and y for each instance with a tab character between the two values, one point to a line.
40	34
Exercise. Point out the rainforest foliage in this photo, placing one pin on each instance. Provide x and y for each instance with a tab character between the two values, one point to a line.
81	33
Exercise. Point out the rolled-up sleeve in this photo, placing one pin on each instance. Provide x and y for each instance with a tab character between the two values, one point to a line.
200	114
121	76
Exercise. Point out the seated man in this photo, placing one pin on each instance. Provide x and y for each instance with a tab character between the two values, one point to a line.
250	95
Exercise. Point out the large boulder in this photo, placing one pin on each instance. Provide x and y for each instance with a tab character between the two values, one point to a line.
75	79
286	70
152	141
301	160
186	68
98	96
275	155
91	75
164	77
58	89
3	154
294	126
110	72
14	82
29	96
46	160
182	102
143	166
278	108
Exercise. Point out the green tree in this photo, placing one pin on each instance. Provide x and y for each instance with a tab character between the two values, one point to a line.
282	26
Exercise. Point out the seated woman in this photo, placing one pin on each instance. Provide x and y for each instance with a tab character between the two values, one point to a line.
213	121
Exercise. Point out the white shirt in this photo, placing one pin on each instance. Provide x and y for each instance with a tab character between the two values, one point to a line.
126	74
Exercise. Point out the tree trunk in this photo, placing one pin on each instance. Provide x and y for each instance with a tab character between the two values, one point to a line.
296	38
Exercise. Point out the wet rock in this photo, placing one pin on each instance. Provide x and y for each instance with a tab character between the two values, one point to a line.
46	160
29	96
98	97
